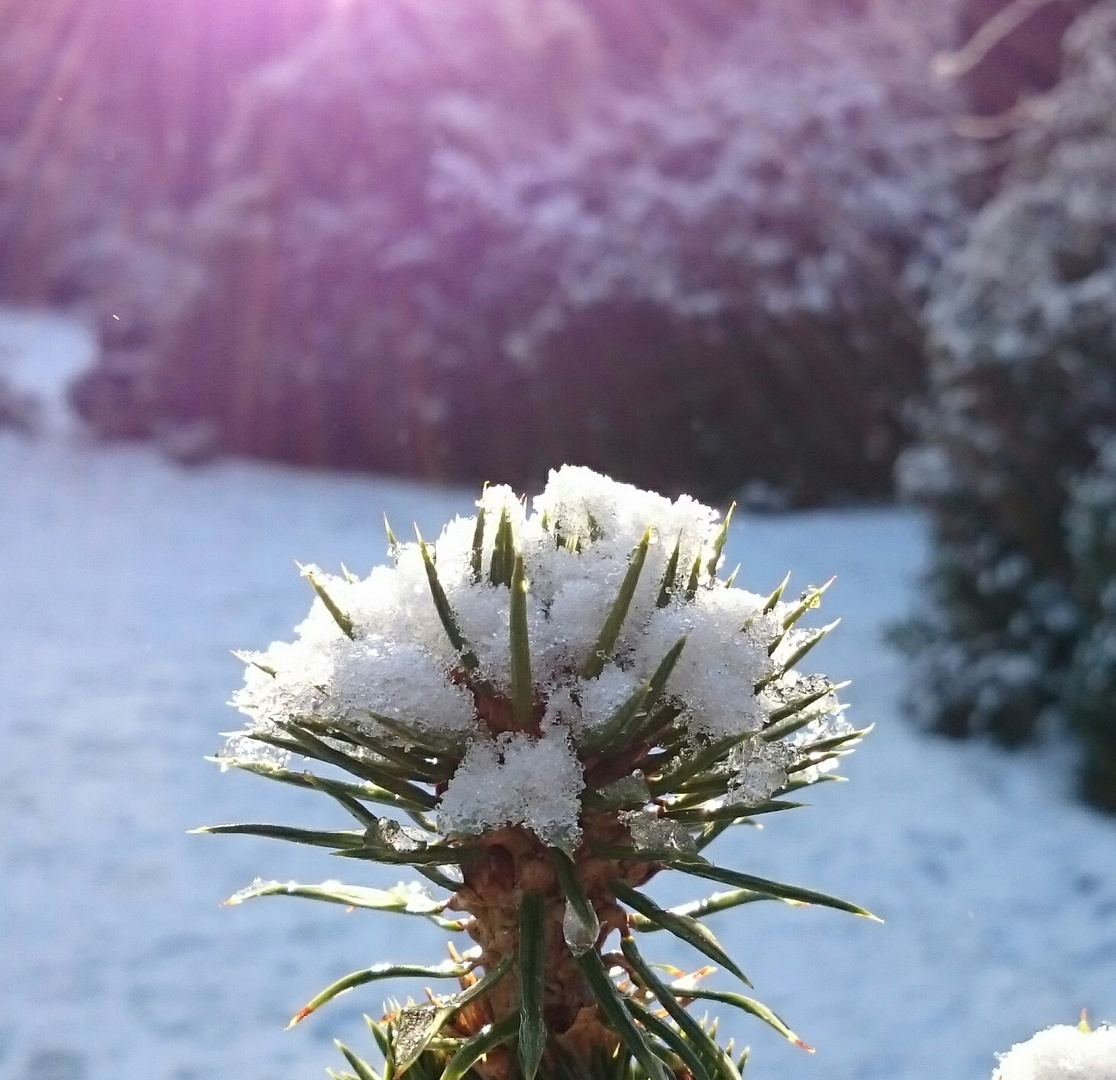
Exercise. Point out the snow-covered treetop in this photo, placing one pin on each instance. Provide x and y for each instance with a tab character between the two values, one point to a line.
616	587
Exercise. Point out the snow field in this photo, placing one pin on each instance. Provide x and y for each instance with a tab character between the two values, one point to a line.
129	580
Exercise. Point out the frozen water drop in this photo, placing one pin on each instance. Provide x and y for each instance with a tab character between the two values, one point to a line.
580	930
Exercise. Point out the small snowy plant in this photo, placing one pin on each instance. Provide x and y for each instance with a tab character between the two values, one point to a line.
550	708
1062	1053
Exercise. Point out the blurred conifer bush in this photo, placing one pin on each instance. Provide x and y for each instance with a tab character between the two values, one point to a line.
1016	465
683	241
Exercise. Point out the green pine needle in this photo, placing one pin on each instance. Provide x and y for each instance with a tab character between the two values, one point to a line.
532	975
797	654
748	1005
522	687
399	899
775	889
368	792
615	1011
777	595
393	543
719	545
694	579
698	909
339	617
363	767
376	973
477	559
670	575
486	1040
644	974
363	1070
606	640
445	612
503	552
312	837
671	1037
810	599
683	927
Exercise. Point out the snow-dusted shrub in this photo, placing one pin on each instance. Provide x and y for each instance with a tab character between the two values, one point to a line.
1062	1053
1023	384
554	706
441	247
1090	695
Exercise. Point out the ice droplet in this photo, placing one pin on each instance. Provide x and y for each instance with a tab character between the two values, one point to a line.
240	746
248	892
761	770
651	831
412	1029
385	832
626	793
580	932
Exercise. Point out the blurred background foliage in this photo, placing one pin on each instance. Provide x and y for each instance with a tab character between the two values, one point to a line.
1016	458
738	247
682	240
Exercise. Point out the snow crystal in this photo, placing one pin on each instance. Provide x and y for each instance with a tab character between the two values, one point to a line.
793	686
400	680
579	607
648	830
612	516
517	779
602	696
248	892
760	770
609	520
725	655
242	747
629	791
1061	1053
300	670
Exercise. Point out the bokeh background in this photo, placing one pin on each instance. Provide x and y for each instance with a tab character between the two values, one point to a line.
271	268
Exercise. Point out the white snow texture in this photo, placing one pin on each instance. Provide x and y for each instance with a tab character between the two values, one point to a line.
1062	1053
577	546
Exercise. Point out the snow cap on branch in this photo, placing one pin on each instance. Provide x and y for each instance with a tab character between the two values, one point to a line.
613	584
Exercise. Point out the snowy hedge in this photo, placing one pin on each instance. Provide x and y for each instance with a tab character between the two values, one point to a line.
1091	687
471	245
1024	396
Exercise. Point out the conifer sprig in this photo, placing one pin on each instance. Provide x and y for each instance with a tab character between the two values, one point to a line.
570	784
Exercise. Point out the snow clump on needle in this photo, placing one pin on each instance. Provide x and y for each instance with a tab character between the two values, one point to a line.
375	655
1062	1053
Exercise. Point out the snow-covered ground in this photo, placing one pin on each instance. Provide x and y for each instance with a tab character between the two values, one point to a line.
126	582
40	354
